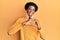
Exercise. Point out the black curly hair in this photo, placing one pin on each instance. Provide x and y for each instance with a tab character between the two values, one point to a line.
31	4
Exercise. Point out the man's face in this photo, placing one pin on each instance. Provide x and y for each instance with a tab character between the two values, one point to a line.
30	10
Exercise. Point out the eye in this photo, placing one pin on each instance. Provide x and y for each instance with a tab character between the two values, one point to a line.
33	9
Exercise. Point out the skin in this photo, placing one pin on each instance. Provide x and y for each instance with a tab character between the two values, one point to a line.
30	11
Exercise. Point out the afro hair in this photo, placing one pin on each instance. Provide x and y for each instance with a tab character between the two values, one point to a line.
31	4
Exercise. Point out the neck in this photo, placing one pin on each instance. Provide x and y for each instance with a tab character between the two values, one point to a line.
29	17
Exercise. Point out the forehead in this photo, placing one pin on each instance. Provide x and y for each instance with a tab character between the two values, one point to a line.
32	7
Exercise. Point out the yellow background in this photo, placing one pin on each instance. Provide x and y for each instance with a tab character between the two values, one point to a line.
48	15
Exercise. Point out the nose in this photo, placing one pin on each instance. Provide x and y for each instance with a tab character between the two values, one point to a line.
31	10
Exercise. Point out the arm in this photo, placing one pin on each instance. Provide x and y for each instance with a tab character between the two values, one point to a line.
37	24
40	34
39	28
15	27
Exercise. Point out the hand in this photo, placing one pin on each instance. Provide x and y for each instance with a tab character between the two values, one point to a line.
37	24
24	23
39	28
43	39
8	33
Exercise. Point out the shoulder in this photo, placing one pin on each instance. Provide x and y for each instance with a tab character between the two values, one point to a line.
23	18
19	20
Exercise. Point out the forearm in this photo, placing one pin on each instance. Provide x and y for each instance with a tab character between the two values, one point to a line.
41	36
15	29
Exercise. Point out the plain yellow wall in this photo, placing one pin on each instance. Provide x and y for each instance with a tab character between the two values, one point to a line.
48	14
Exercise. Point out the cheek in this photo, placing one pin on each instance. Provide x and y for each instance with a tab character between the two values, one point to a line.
28	11
32	11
